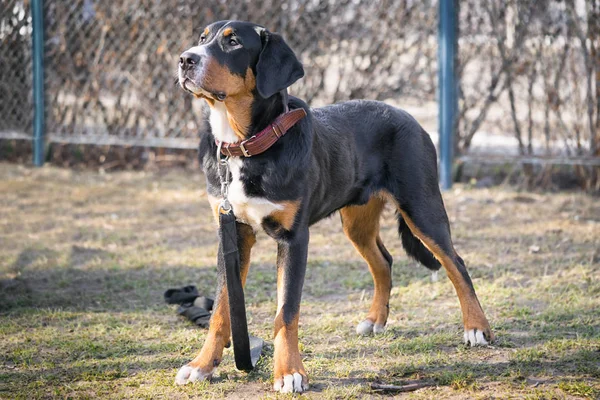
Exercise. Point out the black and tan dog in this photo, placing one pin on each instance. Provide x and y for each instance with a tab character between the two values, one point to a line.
351	157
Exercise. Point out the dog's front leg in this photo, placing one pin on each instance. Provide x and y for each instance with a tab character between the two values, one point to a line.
203	366
289	372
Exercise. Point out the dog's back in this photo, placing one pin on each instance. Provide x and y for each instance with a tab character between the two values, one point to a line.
360	147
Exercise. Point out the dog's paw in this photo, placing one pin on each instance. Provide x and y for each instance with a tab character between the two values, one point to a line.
294	383
188	374
367	327
477	337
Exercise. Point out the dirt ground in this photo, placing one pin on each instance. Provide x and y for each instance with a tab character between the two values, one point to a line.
85	258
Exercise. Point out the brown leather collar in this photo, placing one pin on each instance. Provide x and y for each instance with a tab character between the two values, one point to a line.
264	139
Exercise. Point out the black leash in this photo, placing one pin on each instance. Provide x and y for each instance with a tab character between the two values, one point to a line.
229	263
246	349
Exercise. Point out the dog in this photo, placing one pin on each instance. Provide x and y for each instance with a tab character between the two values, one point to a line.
352	157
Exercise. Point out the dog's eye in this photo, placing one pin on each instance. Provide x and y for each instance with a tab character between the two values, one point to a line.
202	38
233	42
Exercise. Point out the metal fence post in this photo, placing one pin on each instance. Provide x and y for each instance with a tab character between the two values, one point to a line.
37	15
447	88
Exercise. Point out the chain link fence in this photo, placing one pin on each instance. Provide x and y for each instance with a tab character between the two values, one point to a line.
529	70
111	67
16	105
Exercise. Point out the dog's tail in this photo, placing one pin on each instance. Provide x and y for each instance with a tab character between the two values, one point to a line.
415	248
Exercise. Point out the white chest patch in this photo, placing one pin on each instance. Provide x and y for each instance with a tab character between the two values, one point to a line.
220	125
250	210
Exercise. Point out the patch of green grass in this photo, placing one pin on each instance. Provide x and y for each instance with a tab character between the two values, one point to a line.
543	394
401	370
579	388
457	380
419	344
528	355
85	259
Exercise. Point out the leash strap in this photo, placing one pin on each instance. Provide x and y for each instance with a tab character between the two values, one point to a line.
229	264
246	349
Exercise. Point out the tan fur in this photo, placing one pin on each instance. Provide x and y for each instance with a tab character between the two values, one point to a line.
287	358
473	316
227	31
286	216
217	338
214	206
239	106
361	226
245	248
209	101
238	90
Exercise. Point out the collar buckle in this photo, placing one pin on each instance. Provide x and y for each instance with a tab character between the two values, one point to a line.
243	149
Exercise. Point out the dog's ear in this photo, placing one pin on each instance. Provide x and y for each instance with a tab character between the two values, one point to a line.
277	66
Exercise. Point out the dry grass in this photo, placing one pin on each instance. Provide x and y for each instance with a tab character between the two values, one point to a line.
85	258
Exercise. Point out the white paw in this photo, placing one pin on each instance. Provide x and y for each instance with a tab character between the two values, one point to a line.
367	327
475	337
290	384
189	374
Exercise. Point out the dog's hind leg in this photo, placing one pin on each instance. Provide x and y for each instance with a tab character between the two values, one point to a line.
425	217
361	226
203	366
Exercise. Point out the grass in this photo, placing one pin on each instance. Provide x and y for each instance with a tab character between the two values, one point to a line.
85	258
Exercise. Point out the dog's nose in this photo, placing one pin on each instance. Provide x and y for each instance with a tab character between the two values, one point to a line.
188	59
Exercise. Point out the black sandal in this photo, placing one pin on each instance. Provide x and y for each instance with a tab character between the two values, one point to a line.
186	294
198	315
194	307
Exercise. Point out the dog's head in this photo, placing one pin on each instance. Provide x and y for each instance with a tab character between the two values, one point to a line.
235	58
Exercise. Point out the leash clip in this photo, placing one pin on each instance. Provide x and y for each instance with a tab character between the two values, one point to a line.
225	206
223	171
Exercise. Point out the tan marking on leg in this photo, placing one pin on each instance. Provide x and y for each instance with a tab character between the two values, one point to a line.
248	240
217	338
473	316
287	359
279	289
287	215
361	226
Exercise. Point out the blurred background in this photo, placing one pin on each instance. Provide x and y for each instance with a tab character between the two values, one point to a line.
90	242
528	78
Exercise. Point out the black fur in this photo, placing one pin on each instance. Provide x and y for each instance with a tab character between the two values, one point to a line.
386	254
414	247
277	67
338	155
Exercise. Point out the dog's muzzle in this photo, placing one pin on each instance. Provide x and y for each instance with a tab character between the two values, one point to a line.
189	60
